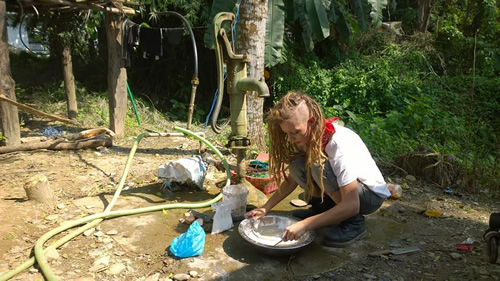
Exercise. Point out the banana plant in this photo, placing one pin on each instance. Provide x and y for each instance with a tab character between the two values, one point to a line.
315	16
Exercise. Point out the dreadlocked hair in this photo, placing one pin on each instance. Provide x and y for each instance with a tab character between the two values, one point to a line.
282	151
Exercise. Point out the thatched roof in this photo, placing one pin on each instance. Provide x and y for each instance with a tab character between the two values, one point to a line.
113	6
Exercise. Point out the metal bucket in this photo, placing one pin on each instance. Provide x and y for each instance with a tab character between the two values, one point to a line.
266	232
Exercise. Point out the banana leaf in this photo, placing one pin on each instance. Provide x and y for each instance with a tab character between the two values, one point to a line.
318	19
362	10
300	11
342	26
376	13
217	7
275	29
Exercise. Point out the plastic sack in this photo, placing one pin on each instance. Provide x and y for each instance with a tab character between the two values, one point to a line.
187	171
190	243
222	217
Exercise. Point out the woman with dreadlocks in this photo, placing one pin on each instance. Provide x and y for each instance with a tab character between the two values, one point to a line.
330	162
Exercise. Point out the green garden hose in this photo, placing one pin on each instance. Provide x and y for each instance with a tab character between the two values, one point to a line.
95	219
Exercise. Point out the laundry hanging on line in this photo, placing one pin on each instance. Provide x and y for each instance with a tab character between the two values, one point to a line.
149	41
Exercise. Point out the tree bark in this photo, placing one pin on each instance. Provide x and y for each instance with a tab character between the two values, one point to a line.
423	15
69	81
117	74
8	113
250	40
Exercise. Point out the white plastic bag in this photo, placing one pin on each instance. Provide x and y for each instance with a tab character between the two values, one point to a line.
186	171
222	217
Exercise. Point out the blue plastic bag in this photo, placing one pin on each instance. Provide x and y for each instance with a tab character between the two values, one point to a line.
190	243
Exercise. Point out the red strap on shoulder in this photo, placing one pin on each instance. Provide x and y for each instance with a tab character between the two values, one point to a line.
328	132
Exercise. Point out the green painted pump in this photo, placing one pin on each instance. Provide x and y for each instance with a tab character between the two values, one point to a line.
238	84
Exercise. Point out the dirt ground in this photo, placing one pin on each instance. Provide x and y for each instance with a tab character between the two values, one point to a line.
134	247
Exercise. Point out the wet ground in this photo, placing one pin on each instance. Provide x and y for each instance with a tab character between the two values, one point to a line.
134	247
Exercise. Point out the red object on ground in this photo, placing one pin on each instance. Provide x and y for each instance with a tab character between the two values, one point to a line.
464	247
266	185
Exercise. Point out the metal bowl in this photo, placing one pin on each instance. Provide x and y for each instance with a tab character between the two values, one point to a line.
266	232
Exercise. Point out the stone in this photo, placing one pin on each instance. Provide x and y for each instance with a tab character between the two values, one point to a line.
102	260
52	217
52	254
455	256
181	277
410	178
61	206
85	278
316	276
154	277
193	273
96	252
88	232
116	268
369	276
98	234
112	232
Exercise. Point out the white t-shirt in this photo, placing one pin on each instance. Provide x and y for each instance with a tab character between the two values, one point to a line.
351	161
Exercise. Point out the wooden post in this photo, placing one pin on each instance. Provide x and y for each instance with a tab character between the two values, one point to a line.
69	81
38	188
8	113
117	74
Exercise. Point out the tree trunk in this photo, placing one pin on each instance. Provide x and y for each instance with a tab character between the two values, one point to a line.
117	74
8	113
38	188
69	81
250	40
423	14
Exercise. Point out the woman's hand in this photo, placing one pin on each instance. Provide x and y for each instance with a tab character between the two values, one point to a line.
294	231
256	213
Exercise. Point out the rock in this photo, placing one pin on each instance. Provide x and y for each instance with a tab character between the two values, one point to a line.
181	277
410	178
61	206
193	273
369	276
97	268
112	232
85	278
98	234
455	256
88	231
116	268
154	277
107	240
316	276
96	252
52	217
33	270
102	260
52	254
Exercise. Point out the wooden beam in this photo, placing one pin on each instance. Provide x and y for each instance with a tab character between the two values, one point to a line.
91	6
37	112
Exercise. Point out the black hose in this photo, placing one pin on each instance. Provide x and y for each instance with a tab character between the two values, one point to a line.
195	50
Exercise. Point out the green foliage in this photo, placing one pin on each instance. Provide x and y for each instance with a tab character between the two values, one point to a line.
393	97
179	111
274	33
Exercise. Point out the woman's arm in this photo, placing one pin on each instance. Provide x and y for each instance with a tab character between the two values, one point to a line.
286	187
346	208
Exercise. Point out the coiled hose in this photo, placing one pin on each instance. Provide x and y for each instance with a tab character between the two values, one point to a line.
95	219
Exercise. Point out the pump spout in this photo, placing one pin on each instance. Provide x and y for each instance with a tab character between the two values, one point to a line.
252	84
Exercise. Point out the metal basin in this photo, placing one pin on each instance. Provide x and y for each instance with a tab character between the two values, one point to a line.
267	231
